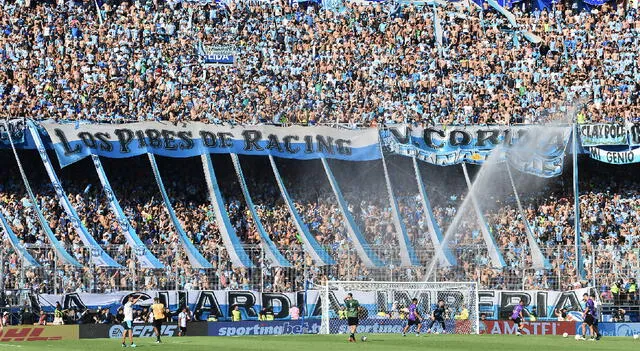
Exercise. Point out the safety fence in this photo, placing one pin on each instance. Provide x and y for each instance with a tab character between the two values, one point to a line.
54	277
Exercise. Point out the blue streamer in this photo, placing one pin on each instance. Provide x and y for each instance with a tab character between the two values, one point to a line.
539	260
98	256
61	253
311	245
270	250
437	238
237	255
195	258
496	257
367	256
15	242
143	255
407	254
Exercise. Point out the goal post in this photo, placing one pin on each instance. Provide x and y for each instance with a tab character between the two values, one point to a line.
384	306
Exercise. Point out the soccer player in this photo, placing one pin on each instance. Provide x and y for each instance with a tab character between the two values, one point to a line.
413	318
517	317
352	306
158	316
437	315
590	317
128	321
183	318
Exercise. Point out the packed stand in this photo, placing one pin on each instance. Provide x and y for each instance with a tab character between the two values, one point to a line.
363	64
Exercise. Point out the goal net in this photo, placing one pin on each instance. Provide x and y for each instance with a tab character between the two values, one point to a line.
384	306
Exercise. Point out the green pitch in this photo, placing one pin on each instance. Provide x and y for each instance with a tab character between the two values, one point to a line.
385	342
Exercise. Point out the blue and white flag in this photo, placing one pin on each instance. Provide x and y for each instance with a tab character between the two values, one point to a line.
24	255
270	250
144	257
195	257
57	246
506	13
445	146
311	245
366	255
98	256
232	243
444	254
497	260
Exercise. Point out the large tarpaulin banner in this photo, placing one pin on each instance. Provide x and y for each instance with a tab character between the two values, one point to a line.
495	304
603	134
616	157
73	143
439	145
444	146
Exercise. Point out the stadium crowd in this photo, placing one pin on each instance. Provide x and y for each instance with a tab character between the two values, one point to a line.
364	64
609	218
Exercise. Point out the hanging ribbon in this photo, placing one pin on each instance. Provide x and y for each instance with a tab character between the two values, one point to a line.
98	256
270	250
319	255
497	260
443	253
25	256
145	258
539	260
367	256
195	258
61	253
237	255
407	255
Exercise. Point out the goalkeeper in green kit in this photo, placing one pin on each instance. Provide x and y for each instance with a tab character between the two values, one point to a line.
353	307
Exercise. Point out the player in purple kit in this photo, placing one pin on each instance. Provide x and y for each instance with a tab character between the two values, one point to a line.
590	317
413	318
517	317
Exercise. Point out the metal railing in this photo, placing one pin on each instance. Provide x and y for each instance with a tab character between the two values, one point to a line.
52	277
